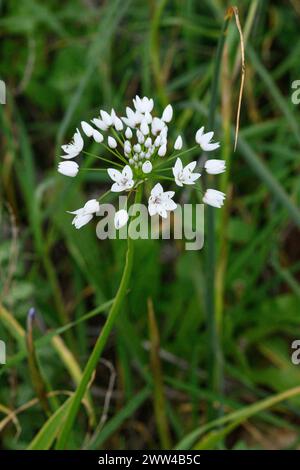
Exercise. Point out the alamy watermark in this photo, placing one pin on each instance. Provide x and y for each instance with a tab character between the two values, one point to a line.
295	357
2	92
185	223
2	352
296	94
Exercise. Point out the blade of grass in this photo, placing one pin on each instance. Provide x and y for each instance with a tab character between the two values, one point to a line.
111	426
159	394
275	93
270	181
34	369
237	417
47	434
214	350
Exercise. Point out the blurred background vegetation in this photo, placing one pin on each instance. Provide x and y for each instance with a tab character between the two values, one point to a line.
61	62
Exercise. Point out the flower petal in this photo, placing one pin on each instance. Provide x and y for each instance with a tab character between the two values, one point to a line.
157	190
178	143
120	219
199	134
127	172
177	168
117	188
190	166
87	128
81	220
115	175
210	147
91	206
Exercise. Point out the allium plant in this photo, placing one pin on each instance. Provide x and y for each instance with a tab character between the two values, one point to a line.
140	153
139	147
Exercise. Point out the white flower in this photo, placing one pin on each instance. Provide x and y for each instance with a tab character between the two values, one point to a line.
127	146
214	198
128	133
161	202
92	206
148	142
123	180
137	148
162	150
100	124
147	167
132	118
143	138
161	141
140	136
164	132
113	115
87	128
157	125
214	166
68	168
74	147
89	131
157	141
120	219
204	140
148	118
112	143
106	118
185	175
97	136
118	124
144	128
85	214
167	114
116	121
178	143
143	105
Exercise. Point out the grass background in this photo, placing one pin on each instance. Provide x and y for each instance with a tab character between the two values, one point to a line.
61	62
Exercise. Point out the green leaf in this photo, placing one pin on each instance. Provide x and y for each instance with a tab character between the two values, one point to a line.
47	434
235	418
101	435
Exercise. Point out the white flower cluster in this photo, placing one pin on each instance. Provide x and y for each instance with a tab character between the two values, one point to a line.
139	145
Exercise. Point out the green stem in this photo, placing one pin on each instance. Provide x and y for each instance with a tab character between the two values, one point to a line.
103	159
100	343
117	137
93	169
172	157
103	195
160	177
214	352
115	153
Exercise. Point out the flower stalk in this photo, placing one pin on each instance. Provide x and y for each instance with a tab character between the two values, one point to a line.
101	341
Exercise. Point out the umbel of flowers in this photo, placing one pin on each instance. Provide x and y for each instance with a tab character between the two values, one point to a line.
138	150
